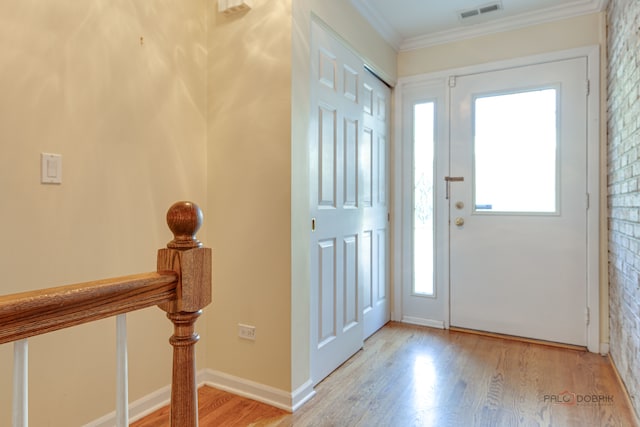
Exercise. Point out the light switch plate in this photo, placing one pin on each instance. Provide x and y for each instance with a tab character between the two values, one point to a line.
50	168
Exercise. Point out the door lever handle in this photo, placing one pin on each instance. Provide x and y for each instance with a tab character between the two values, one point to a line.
449	179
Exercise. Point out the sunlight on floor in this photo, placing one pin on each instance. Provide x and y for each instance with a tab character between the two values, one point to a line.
425	384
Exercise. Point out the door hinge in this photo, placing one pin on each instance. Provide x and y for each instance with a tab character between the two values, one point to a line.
587	315
388	216
452	81
588	87
588	201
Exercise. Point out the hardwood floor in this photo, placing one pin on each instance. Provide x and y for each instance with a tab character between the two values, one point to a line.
415	376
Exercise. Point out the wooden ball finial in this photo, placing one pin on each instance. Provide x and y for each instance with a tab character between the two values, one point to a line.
184	220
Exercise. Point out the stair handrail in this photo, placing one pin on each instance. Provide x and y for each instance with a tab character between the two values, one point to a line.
181	286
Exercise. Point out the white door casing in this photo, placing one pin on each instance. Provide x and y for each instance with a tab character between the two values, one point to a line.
426	310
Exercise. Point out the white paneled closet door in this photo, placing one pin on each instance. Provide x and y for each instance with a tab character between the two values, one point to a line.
347	155
376	106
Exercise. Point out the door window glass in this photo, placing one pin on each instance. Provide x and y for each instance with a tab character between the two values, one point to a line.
515	152
423	146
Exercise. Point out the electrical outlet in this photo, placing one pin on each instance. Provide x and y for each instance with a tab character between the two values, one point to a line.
247	332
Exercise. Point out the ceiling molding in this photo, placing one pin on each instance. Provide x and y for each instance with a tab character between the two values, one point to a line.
378	23
505	24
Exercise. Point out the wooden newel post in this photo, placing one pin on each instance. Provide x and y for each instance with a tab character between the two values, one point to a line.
186	256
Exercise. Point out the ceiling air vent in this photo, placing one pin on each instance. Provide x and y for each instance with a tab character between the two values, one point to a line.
469	13
481	10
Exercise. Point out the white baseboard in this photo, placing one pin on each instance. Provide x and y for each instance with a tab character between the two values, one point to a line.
138	409
288	401
604	348
302	395
439	324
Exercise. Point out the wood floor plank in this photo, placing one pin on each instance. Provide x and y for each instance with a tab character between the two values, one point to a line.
415	376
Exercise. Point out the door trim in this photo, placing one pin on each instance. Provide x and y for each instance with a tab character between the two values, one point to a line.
436	305
596	224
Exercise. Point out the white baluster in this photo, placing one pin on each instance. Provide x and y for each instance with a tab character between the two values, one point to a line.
20	384
122	381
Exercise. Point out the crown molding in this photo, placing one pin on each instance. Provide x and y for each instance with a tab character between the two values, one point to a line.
379	23
571	10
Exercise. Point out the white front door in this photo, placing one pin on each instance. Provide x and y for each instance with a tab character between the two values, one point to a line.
348	148
518	201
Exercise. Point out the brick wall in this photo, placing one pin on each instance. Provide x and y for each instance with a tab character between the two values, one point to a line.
623	169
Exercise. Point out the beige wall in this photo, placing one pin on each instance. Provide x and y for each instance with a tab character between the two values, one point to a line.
128	119
249	161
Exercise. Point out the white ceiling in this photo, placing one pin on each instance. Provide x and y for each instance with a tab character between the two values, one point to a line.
411	24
